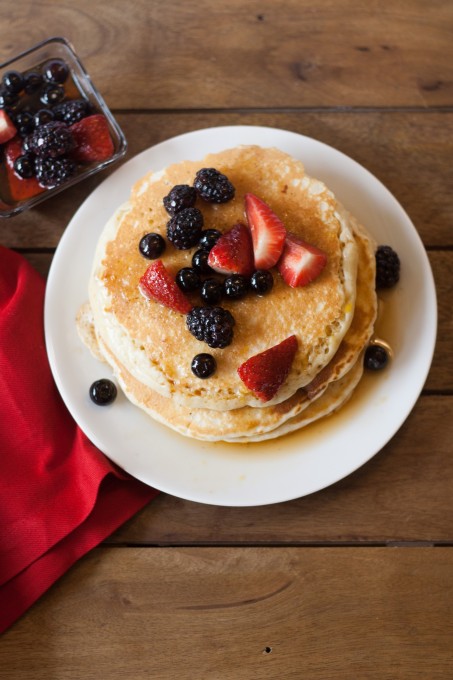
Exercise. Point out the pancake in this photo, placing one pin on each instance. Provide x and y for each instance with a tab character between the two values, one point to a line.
151	342
331	387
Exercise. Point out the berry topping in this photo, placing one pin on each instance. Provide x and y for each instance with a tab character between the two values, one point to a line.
92	139
233	253
264	373
387	267
235	286
7	128
212	186
52	94
376	357
188	279
20	189
151	246
157	283
180	197
209	238
262	281
203	365
200	262
24	166
268	232
213	325
52	172
300	262
13	81
72	111
211	291
184	228
50	140
55	71
103	392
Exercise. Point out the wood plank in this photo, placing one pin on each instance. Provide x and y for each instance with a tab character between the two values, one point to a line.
333	54
409	152
402	494
328	613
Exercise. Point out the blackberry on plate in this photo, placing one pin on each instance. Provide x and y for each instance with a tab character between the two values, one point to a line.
203	365
24	166
52	94
51	140
200	262
180	197
55	71
188	279
209	238
213	186
102	392
262	281
184	228
376	357
151	246
72	111
13	81
52	172
213	325
387	267
235	286
32	82
211	291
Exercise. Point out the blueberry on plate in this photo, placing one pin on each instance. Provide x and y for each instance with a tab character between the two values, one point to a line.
103	392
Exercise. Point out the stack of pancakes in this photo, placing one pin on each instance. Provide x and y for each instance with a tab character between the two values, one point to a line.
150	348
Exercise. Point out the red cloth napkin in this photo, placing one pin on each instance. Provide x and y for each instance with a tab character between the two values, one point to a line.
59	495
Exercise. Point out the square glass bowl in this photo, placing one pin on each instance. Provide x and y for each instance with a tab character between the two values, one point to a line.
14	192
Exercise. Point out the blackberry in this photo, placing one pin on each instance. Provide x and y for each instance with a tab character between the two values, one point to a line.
13	81
103	392
51	140
55	71
203	365
24	166
151	246
180	197
72	110
212	186
184	228
376	357
52	94
213	325
261	281
235	286
209	238
51	172
188	279
200	262
387	267
211	291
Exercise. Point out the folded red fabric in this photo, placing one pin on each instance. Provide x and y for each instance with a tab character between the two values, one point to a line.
59	495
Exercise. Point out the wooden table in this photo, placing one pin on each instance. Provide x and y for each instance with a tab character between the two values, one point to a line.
355	581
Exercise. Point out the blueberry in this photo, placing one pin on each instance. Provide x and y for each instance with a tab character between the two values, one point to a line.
262	281
200	262
24	166
8	99
376	357
32	82
52	94
203	365
43	116
151	246
24	122
209	238
211	291
103	392
55	71
188	279
13	81
235	286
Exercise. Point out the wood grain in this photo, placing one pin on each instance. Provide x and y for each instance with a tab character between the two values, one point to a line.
256	53
409	152
327	614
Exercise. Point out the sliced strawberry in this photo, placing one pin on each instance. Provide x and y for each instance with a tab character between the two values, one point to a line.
20	189
7	128
268	232
233	252
158	284
92	139
300	262
266	372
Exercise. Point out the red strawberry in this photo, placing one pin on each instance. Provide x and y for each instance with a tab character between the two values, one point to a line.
157	283
7	127
20	189
300	262
233	253
92	139
266	372
268	232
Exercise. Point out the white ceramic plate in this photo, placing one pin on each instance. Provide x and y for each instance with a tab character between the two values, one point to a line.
289	467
